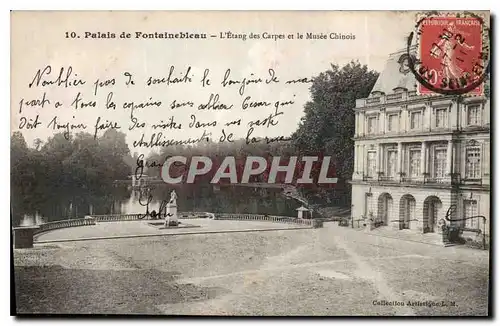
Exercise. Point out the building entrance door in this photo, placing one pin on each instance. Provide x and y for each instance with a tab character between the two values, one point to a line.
432	208
384	208
406	211
431	224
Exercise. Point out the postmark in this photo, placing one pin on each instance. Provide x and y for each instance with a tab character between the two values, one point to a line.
449	53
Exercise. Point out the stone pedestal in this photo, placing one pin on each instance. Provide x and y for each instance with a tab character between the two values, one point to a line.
23	236
171	219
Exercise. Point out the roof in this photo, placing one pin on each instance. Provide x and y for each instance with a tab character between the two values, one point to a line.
395	75
302	209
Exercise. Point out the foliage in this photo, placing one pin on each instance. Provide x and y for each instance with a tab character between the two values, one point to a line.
328	124
64	173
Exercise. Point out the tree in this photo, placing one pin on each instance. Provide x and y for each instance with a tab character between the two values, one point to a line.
19	176
37	143
64	173
328	124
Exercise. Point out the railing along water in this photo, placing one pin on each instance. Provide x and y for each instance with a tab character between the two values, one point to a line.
25	240
91	220
64	224
137	217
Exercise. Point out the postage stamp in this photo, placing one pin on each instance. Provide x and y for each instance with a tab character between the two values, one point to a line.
453	52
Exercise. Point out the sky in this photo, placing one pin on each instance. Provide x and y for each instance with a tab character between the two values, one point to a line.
40	39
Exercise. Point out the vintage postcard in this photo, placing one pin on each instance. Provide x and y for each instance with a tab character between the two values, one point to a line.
252	163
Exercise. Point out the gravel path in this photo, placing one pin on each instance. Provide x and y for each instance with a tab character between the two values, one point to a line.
327	271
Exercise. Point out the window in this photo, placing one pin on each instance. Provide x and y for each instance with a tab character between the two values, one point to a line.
416	120
372	124
371	163
392	124
441	118
414	162
439	162
470	210
473	163
391	162
473	115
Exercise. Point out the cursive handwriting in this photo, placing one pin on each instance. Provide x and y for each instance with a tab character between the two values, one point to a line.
175	104
252	79
141	164
170	124
141	105
55	125
214	104
103	126
65	78
112	94
33	103
162	210
197	124
182	79
139	170
158	140
270	121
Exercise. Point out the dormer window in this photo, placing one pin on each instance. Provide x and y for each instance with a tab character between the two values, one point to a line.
399	89
377	93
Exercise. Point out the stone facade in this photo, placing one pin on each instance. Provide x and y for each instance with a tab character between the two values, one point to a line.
417	156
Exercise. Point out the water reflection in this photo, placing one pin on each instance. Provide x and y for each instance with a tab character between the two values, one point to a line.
125	200
29	220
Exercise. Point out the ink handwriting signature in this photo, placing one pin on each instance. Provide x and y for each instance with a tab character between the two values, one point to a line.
162	210
141	164
453	208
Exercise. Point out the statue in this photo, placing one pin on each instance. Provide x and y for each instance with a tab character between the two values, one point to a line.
173	198
171	218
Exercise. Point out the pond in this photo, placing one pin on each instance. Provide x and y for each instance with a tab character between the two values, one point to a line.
127	200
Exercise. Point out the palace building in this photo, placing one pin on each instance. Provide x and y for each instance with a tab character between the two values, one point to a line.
417	156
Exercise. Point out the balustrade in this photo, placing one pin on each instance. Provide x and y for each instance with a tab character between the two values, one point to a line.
373	100
394	97
387	98
64	224
91	220
412	94
271	218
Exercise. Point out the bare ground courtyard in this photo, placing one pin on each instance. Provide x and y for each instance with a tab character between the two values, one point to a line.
326	271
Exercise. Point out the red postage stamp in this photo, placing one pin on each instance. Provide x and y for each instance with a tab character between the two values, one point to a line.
451	54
